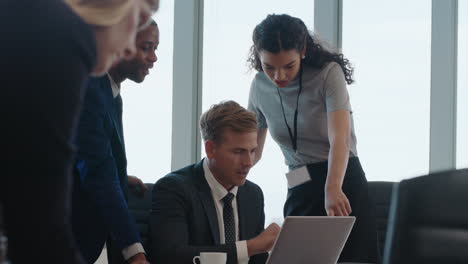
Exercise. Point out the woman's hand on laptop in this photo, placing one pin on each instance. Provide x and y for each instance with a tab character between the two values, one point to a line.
264	241
336	202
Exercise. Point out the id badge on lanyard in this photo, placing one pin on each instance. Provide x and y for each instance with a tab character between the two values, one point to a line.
300	175
292	133
297	177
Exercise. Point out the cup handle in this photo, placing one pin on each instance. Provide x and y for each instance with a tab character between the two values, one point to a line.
194	258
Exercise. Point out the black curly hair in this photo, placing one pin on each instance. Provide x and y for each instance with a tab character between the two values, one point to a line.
284	32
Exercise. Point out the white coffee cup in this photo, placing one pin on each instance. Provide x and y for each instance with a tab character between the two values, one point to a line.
211	258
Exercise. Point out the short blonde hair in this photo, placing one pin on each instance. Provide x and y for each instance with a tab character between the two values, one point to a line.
226	115
105	12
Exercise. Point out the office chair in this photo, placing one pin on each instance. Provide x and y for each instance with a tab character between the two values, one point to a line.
381	194
140	208
429	220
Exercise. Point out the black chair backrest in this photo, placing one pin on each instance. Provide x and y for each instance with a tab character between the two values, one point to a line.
140	208
1	218
429	220
381	194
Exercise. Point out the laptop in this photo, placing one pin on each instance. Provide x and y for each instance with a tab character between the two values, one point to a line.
311	239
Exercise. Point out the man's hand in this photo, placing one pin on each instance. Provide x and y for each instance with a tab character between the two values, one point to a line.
137	185
264	241
336	202
138	259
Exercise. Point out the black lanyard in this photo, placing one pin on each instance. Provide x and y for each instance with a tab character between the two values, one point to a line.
291	136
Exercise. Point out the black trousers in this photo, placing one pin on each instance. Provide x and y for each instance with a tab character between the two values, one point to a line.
308	199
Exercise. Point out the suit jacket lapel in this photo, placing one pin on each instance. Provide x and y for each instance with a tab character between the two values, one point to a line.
115	114
242	203
117	117
206	198
114	109
116	127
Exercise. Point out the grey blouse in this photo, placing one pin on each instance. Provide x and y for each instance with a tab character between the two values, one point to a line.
323	90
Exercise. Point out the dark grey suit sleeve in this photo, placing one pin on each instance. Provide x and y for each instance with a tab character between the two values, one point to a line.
260	258
171	203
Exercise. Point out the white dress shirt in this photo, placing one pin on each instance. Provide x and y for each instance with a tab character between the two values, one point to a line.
135	248
114	86
218	192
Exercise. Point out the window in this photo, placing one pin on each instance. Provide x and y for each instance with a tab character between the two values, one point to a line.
391	51
462	93
147	108
228	27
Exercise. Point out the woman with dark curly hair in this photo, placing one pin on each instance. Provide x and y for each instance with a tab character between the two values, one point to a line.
300	94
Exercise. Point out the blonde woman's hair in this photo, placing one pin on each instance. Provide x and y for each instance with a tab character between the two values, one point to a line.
104	12
226	115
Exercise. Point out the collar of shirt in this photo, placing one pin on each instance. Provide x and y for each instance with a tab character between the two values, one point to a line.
217	189
114	86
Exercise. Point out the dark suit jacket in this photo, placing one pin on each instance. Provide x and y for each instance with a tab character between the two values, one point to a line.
46	54
99	198
184	221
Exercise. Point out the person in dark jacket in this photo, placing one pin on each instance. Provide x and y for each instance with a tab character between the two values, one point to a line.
48	50
100	213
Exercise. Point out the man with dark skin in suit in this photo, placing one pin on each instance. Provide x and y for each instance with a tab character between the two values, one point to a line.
136	70
105	191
